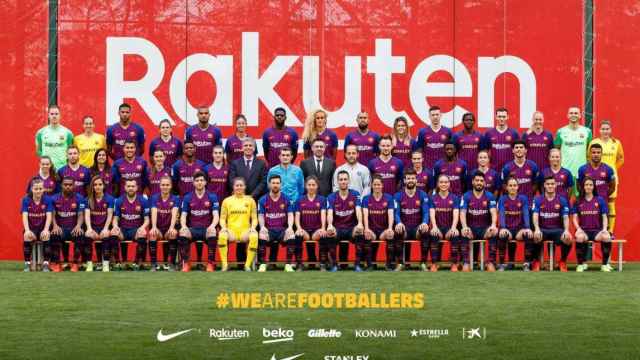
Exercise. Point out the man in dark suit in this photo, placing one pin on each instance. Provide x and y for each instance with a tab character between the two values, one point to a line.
254	172
320	166
323	168
252	169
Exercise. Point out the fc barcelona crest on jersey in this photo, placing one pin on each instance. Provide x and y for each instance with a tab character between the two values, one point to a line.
171	203
138	167
417	202
528	172
519	204
484	203
286	137
596	205
443	137
327	138
544	138
458	170
393	168
450	202
318	205
562	176
603	174
173	146
81	175
43	206
384	203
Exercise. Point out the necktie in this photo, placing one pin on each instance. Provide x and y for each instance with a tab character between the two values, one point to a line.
318	166
249	165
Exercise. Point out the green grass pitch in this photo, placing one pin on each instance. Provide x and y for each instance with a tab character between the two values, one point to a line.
117	315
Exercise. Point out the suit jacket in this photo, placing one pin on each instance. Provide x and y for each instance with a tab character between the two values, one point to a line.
308	167
256	178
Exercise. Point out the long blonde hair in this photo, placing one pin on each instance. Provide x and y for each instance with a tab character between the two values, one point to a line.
394	134
310	131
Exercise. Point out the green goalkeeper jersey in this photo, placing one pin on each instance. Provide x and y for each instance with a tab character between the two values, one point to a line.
53	142
573	147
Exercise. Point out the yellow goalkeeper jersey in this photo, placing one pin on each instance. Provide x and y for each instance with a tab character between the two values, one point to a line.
238	213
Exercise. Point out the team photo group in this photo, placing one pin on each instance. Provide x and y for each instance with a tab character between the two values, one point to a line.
448	193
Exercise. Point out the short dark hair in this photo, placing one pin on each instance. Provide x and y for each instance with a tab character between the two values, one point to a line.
519	142
502	109
285	148
376	177
434	108
280	109
478	173
596	146
199	174
275	176
343	172
409	172
549	177
124	106
131	142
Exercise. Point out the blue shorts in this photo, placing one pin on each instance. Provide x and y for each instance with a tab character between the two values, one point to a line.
129	234
411	233
198	233
478	232
276	235
344	234
554	235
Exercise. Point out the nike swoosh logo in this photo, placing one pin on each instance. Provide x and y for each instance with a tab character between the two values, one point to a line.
273	357
162	338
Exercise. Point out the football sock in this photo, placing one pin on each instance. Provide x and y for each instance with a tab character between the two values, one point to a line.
153	251
26	248
606	250
252	249
212	244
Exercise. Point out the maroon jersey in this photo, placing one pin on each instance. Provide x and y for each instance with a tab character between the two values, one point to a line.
344	210
492	181
550	212
117	136
378	211
200	209
36	212
411	210
183	175
67	209
310	212
390	171
50	185
218	180
124	170
107	178
424	180
499	144
330	140
164	208
402	151
590	212
274	211
81	178
455	170
273	140
172	149
233	148
478	209
204	140
98	213
469	145
602	176
153	179
444	207
513	213
432	144
367	145
538	147
526	175
131	214
564	180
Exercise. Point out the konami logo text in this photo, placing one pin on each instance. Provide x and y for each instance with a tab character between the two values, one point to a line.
259	88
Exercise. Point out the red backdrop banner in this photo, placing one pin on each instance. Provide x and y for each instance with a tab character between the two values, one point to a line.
389	58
